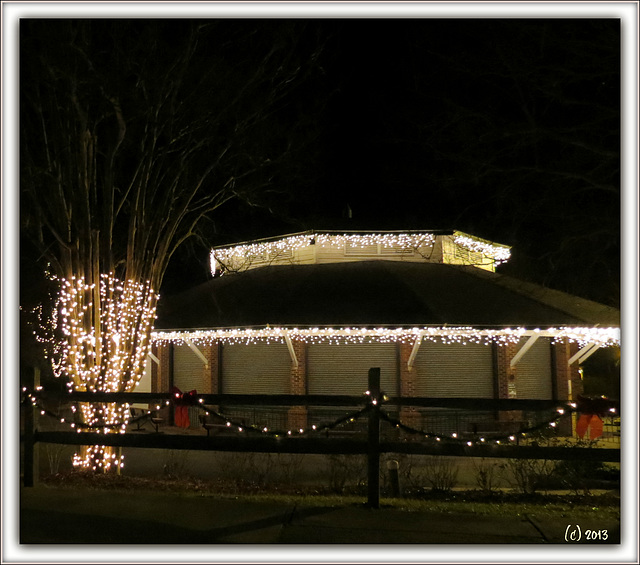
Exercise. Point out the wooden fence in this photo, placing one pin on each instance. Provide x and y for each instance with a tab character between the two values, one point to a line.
373	405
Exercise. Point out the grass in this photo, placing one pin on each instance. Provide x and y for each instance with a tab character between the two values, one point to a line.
597	507
500	502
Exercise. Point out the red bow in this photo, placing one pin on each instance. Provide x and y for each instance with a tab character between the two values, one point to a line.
182	401
592	411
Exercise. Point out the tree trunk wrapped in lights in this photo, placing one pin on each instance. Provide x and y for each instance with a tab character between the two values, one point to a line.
133	131
105	329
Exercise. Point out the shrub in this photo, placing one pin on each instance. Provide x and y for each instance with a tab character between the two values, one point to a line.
485	474
245	467
176	464
345	469
528	475
288	466
56	453
441	473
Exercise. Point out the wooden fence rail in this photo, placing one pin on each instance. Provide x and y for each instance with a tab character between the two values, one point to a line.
372	446
485	404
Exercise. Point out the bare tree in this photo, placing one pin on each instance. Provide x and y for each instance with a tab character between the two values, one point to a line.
507	129
533	130
132	133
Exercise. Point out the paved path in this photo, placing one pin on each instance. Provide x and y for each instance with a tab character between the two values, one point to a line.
66	516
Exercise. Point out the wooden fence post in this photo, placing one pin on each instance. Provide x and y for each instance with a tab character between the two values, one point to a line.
373	452
30	459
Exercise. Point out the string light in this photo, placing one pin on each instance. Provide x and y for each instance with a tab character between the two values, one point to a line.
455	436
246	255
499	253
100	453
98	338
604	337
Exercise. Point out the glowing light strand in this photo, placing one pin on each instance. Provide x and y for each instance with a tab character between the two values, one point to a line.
604	337
500	254
563	411
478	438
99	339
239	257
235	425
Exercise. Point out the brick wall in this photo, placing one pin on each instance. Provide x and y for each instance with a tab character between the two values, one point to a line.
299	373
565	374
160	374
297	415
408	414
506	379
506	375
211	369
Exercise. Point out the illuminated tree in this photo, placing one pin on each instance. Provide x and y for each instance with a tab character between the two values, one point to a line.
132	132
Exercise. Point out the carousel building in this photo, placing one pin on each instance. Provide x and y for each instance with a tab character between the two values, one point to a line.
311	313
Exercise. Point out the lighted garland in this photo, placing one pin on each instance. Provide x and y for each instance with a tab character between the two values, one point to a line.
240	427
80	425
230	423
455	437
604	337
234	425
107	460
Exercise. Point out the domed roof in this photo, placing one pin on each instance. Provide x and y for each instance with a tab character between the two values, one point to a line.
376	293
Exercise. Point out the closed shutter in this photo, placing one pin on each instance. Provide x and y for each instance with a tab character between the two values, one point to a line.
454	370
188	373
533	372
360	250
259	368
395	250
344	368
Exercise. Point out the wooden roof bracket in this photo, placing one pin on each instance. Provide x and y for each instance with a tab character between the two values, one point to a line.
414	352
584	353
528	344
154	358
292	351
198	353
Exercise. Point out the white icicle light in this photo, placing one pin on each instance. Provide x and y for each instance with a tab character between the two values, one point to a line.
238	257
499	253
604	337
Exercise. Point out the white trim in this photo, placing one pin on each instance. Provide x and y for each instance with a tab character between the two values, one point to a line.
154	358
583	353
529	343
414	352
589	353
198	353
292	352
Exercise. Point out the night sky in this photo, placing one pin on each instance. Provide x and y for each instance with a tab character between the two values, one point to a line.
505	129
